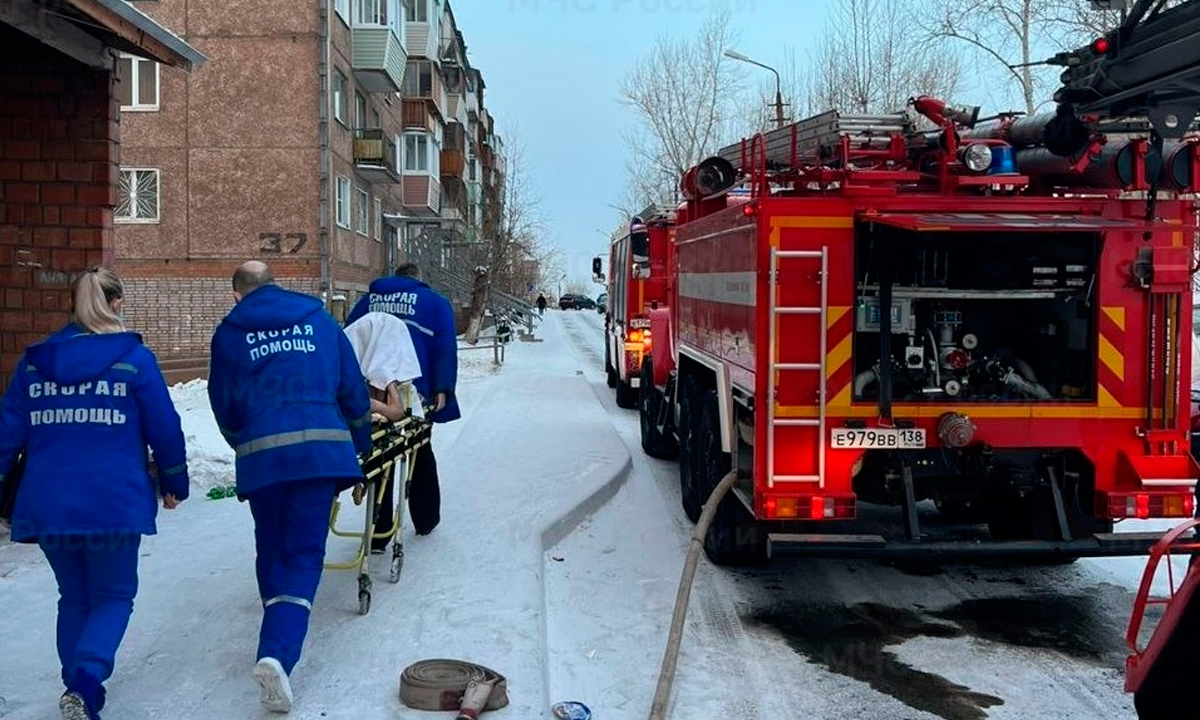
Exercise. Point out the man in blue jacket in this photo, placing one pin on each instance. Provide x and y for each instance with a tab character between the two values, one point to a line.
289	397
431	322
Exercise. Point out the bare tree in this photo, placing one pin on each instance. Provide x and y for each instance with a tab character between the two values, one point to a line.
517	254
867	61
685	94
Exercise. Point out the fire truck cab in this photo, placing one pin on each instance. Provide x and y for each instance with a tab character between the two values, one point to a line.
956	323
636	284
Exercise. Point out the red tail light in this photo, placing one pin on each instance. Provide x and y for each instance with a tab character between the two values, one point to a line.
1160	504
810	507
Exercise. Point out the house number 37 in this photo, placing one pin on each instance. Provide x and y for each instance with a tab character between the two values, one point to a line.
273	243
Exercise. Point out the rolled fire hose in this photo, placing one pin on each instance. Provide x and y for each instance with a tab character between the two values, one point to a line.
666	675
453	685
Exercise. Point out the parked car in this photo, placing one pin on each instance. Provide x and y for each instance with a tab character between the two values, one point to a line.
575	301
583	302
567	301
601	302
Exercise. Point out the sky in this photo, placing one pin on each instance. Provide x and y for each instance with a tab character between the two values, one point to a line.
553	70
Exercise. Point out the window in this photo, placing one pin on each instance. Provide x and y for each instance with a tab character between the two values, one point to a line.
342	8
416	10
378	220
360	111
137	83
416	152
364	211
339	96
137	196
379	13
374	115
343	202
418	79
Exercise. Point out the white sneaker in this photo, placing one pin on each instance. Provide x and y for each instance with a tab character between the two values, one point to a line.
276	690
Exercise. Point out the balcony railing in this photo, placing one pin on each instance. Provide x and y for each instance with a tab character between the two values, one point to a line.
375	155
416	115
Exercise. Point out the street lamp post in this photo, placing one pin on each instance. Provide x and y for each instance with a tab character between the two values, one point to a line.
735	55
560	282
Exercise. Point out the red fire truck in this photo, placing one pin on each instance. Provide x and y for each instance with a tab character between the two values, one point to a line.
636	283
992	316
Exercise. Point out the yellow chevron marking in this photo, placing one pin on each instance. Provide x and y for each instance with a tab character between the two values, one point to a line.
835	222
1105	399
835	313
1116	313
1112	357
837	357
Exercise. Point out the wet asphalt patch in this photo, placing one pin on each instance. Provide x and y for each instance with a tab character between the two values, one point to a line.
853	641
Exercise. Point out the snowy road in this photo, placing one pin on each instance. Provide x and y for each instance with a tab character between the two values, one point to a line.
823	639
587	618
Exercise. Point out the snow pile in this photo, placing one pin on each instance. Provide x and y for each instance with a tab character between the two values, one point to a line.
210	459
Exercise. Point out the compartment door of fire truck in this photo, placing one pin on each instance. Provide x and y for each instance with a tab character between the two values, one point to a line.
797	274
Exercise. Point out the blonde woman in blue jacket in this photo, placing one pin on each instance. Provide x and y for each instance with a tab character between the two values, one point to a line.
84	405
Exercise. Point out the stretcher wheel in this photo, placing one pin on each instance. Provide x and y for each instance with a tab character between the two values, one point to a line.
397	562
364	594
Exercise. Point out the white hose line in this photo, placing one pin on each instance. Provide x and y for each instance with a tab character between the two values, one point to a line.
666	675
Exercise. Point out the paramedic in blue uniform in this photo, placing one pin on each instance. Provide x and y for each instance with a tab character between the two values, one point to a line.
84	405
431	323
288	396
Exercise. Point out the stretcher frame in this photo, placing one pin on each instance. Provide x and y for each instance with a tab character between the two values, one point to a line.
391	460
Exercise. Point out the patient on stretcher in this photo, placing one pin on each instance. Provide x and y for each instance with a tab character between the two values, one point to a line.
389	363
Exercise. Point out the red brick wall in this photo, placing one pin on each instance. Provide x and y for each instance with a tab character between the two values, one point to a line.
177	308
58	168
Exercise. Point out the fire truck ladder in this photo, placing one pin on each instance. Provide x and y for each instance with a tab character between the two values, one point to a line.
815	140
776	367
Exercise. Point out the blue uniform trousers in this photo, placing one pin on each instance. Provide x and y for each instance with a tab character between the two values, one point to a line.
97	582
291	524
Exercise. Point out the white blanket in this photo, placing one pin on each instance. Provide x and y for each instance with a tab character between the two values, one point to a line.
385	352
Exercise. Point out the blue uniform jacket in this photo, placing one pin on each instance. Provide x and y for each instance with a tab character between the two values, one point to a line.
287	392
431	320
84	407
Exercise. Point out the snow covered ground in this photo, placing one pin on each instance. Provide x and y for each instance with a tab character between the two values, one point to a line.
556	564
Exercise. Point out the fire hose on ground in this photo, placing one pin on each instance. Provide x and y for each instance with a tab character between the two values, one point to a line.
666	675
453	685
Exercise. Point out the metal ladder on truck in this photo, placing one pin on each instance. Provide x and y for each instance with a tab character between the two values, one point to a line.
776	367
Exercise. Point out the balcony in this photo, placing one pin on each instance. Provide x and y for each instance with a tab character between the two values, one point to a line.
422	195
454	197
416	115
375	156
377	58
453	163
423	81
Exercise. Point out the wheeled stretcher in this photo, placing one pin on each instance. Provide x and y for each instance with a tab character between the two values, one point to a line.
393	449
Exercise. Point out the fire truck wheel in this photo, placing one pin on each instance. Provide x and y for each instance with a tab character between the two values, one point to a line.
733	538
654	443
687	451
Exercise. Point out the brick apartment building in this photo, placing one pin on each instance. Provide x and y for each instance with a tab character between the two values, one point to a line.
321	137
59	150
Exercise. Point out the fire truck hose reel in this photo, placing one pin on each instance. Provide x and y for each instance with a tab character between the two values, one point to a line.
453	685
666	675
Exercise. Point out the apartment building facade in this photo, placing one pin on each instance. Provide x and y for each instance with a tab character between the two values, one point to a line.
297	145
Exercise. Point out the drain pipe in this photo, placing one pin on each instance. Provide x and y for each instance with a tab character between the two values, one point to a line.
666	675
324	116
